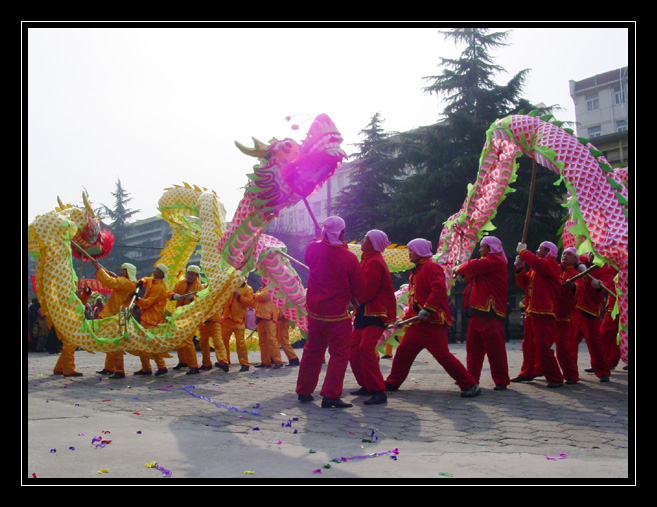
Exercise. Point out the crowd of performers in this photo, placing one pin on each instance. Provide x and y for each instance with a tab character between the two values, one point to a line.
351	302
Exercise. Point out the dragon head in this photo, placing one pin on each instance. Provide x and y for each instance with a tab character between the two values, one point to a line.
290	171
97	241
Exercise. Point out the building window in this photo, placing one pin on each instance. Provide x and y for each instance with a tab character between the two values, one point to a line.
621	126
619	94
595	131
592	102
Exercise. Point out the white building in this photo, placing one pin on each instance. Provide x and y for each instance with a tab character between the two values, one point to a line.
601	112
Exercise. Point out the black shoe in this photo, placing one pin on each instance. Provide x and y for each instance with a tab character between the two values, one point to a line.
520	378
180	366
105	372
142	372
604	378
571	382
205	368
243	368
499	387
470	392
222	366
277	366
390	387
192	371
262	365
377	399
386	357
161	371
293	362
589	370
117	375
74	374
555	384
304	398
360	392
335	403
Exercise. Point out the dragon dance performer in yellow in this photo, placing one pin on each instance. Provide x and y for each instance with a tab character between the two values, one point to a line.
152	313
66	361
266	314
233	321
123	288
184	293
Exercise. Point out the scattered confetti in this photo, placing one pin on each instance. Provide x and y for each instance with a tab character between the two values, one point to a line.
445	474
318	471
53	450
103	470
188	389
153	464
248	472
561	456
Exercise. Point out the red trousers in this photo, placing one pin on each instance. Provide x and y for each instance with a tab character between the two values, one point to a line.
538	357
336	336
566	356
365	360
432	337
609	336
589	328
486	337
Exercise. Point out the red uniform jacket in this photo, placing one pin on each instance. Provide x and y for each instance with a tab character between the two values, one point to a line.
335	278
379	294
542	284
567	294
427	291
588	299
488	283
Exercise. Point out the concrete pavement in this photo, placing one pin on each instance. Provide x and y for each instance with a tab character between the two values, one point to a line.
234	427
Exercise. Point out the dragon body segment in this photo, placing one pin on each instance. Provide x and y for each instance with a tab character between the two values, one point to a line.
50	238
287	173
597	198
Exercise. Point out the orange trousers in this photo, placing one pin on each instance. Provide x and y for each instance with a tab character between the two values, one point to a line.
187	353
228	327
66	362
283	338
114	362
210	330
269	351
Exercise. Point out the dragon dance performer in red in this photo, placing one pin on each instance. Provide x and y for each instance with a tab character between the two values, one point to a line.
542	285
335	281
588	312
377	310
485	302
427	299
609	329
563	335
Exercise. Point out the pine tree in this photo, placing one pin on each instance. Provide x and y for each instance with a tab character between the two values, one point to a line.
365	203
119	215
445	157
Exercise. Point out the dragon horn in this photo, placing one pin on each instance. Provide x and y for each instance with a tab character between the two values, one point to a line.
87	205
259	149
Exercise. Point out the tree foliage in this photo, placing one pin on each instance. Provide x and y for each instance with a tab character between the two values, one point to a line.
426	171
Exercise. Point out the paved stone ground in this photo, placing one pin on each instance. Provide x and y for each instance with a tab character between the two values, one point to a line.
238	426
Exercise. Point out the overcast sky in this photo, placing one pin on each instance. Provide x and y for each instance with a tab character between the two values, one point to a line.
155	107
